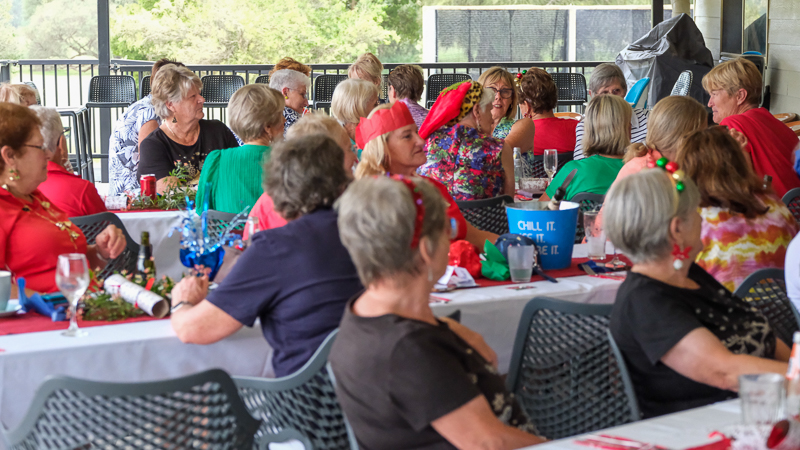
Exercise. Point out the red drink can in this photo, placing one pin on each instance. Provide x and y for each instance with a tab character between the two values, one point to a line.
148	185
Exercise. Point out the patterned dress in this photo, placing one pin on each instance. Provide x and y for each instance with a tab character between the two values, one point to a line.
465	161
734	246
503	128
123	148
291	117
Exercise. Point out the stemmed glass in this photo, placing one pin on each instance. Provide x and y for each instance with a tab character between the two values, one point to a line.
72	279
550	162
615	263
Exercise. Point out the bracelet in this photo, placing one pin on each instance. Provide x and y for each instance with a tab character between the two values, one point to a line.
178	306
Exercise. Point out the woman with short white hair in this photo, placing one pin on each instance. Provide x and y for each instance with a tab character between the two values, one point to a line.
352	100
405	378
69	192
294	87
235	174
462	154
184	138
685	338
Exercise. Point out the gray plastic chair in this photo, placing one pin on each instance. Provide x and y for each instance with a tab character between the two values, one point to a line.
324	85
766	290
571	89
196	411
792	201
684	83
441	81
218	89
564	370
304	401
587	202
488	214
219	220
262	79
111	91
93	225
144	87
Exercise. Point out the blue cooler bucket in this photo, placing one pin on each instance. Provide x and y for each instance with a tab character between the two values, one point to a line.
552	231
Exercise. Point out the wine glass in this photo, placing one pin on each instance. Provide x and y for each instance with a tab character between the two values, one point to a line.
550	162
615	263
72	279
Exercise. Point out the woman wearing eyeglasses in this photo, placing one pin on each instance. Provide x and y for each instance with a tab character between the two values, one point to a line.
294	86
517	133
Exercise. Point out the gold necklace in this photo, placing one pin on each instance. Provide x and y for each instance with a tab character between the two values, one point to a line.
64	225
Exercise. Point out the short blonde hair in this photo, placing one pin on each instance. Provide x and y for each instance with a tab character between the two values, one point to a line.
172	84
608	119
16	93
498	74
377	225
672	118
367	67
252	108
733	75
374	155
351	100
638	210
317	123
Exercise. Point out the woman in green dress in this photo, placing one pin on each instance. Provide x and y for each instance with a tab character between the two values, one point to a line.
256	116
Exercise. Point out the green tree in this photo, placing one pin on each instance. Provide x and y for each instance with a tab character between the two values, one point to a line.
249	31
62	29
9	41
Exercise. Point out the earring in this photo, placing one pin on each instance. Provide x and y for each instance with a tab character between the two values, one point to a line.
13	175
286	97
174	119
679	255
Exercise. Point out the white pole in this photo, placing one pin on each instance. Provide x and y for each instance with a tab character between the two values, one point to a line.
681	6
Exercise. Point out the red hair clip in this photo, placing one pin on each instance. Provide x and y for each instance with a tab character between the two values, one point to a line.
416	196
672	168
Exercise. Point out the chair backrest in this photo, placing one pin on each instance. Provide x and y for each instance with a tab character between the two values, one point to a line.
144	87
564	371
766	290
111	91
536	164
634	95
218	221
385	87
197	411
792	201
304	401
324	85
440	81
571	88
32	85
93	225
488	214
684	83
587	202
218	89
262	79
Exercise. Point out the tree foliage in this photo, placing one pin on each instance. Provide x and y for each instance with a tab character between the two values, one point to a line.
9	42
62	29
248	31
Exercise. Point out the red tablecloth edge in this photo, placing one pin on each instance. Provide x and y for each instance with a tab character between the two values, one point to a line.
32	322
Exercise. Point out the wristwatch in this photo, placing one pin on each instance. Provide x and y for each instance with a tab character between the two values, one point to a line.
177	307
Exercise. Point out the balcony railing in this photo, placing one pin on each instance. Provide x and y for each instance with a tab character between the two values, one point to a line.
66	83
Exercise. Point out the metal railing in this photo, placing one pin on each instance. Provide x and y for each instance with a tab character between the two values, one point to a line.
66	82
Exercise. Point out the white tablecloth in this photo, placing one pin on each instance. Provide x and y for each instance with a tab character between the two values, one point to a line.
676	431
165	249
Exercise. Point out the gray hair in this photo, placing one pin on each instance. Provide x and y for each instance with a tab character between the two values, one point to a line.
51	128
638	210
351	100
252	108
376	225
605	74
172	84
304	174
288	78
487	97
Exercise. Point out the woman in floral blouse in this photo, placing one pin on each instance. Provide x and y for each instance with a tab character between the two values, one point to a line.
461	152
294	86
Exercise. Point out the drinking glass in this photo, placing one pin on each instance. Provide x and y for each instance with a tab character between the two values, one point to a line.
595	236
762	396
520	263
550	162
616	262
72	279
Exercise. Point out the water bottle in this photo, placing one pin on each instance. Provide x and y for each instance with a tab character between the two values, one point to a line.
517	166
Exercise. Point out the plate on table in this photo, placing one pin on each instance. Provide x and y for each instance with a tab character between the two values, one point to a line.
12	308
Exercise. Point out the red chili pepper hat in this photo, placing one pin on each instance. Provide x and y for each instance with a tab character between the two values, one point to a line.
452	105
382	121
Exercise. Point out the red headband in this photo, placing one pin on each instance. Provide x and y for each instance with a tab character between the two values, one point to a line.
382	121
417	197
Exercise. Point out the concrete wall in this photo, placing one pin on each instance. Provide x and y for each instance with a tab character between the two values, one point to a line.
783	63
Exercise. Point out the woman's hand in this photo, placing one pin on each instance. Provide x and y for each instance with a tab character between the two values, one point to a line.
191	289
110	242
475	340
739	136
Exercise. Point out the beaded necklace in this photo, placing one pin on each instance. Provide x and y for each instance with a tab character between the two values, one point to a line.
64	225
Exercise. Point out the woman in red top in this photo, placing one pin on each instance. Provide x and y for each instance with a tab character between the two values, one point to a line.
65	190
391	145
34	232
735	89
539	97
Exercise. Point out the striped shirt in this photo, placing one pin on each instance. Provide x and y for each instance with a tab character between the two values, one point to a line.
638	131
